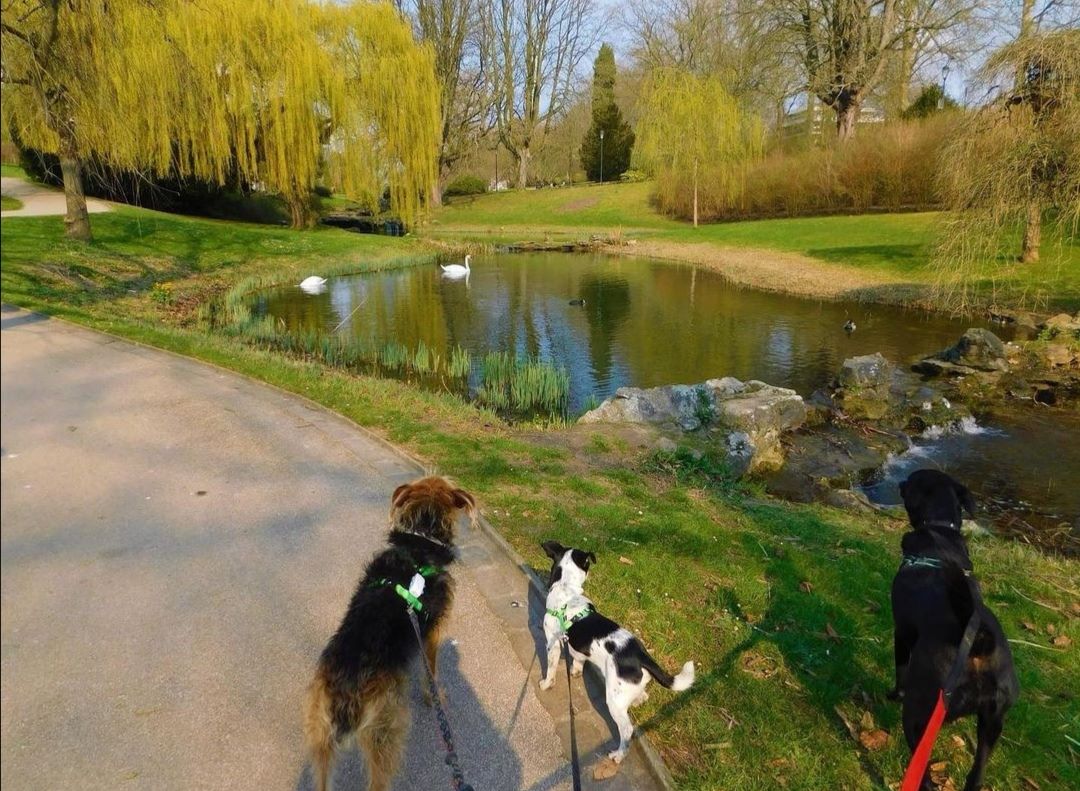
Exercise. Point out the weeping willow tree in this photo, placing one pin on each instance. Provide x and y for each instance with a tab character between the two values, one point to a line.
276	92
1015	165
691	132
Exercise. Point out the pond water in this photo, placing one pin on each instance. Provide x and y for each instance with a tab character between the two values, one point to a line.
646	323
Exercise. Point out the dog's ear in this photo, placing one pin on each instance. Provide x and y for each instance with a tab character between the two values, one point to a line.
591	556
554	550
963	494
400	495
464	501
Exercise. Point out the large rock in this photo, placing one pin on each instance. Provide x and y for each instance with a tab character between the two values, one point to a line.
979	349
863	386
683	407
867	370
1065	324
752	415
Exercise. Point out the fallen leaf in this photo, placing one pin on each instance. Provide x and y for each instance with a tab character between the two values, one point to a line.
831	633
847	722
626	560
867	721
806	587
874	740
1062	641
1029	626
605	770
779	762
1051	629
939	766
958	741
1029	783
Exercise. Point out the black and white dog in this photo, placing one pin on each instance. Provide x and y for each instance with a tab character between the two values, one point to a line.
619	656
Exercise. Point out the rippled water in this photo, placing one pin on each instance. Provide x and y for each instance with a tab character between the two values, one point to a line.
650	323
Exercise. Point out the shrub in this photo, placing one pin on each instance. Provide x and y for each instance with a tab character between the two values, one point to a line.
888	167
465	185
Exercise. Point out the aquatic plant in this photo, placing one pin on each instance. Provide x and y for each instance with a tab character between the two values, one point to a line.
523	387
460	363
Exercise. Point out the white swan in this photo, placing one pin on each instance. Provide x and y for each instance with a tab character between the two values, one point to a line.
456	270
313	285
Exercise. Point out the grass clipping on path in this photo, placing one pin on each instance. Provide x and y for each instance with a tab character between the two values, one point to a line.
783	607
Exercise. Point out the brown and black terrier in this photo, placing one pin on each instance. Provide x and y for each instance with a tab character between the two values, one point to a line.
360	685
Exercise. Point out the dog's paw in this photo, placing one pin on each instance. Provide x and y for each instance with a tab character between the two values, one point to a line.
616	756
577	671
644	696
547	683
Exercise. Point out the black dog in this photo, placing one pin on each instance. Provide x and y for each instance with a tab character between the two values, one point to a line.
933	597
360	682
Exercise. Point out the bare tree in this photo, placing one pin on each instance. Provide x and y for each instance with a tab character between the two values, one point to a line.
844	46
533	51
453	31
729	39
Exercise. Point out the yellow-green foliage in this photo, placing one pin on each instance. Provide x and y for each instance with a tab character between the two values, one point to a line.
272	90
691	131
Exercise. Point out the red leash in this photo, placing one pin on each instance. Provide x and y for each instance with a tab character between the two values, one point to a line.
921	757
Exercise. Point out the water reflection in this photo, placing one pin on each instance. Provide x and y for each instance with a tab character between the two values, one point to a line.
642	323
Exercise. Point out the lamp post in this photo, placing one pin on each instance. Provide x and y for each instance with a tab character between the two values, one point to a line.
944	81
601	156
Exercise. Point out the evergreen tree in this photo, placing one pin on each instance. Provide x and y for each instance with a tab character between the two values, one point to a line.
618	140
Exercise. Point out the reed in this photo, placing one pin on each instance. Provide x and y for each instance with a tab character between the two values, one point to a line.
523	387
460	363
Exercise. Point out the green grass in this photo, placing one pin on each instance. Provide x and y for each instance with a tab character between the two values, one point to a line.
13	171
135	248
893	246
7	203
716	572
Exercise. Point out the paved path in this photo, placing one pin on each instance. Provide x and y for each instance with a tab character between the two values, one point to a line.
39	201
177	544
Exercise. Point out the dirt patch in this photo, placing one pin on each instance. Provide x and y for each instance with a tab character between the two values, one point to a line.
773	270
579	205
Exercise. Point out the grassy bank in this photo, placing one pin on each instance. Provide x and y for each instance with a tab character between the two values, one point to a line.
875	257
784	607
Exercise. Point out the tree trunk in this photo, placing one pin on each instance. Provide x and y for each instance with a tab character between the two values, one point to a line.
695	195
301	215
1029	254
436	193
77	219
523	167
846	116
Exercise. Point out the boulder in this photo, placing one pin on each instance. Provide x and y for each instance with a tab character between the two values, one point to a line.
979	349
683	407
863	386
753	415
1063	323
867	370
1058	355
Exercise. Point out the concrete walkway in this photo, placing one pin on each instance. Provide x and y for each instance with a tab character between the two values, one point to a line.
177	545
39	201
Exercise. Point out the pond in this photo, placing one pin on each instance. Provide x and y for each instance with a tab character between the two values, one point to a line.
647	323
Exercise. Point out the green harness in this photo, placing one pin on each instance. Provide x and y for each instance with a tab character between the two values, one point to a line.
412	601
564	622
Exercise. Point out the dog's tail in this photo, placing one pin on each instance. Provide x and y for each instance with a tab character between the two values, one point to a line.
677	683
319	729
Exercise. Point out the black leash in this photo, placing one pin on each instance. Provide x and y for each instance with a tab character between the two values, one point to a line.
444	723
575	760
963	651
